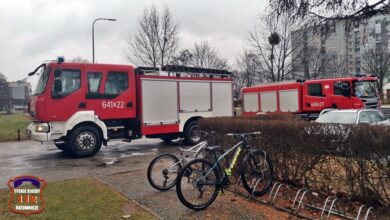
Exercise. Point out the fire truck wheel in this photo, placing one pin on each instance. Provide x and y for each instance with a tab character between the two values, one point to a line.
84	141
61	146
168	138
191	135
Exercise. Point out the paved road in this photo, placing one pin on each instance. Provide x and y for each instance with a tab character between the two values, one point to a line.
46	161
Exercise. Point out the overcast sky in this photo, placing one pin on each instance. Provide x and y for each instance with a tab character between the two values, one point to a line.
32	31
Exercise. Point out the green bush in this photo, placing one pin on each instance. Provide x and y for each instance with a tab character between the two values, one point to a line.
347	160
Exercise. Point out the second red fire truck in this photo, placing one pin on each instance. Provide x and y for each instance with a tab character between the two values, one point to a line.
309	97
81	106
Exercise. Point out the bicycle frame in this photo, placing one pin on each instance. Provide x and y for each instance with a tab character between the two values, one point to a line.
194	151
228	170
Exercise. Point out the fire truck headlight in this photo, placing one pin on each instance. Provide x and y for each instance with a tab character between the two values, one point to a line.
42	128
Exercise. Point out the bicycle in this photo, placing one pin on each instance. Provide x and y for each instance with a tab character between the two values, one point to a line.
163	169
200	175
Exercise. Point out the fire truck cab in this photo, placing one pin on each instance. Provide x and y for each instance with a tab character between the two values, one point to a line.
81	106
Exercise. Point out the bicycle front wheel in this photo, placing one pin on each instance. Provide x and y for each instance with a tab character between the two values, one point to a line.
162	171
257	172
197	184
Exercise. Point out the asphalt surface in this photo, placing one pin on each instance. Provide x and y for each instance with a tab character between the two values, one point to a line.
46	161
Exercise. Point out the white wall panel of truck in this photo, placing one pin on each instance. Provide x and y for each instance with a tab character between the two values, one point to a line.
168	101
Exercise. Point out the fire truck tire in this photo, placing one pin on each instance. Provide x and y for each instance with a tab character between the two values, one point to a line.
169	138
84	141
191	135
61	146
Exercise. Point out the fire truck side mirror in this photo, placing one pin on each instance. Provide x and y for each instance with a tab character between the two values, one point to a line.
57	73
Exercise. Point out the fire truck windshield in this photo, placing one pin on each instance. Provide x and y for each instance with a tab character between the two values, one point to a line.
366	89
43	74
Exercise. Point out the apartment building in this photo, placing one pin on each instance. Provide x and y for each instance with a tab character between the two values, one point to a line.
340	46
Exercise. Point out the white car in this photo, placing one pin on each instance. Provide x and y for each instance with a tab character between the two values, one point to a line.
353	116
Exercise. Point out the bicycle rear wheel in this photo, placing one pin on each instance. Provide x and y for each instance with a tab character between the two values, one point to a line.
197	184
163	170
257	172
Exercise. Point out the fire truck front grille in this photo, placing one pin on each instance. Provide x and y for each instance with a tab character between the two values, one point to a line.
372	105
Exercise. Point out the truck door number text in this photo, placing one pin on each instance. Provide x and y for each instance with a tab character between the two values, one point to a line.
113	104
317	104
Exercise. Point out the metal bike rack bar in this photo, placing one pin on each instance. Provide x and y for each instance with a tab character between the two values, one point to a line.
277	191
296	196
368	212
300	201
331	207
272	190
360	211
254	188
324	207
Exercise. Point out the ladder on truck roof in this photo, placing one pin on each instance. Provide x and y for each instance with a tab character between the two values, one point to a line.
180	71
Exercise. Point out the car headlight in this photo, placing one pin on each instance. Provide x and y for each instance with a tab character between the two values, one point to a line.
42	128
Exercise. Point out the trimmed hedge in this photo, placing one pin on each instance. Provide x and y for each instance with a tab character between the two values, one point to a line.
345	160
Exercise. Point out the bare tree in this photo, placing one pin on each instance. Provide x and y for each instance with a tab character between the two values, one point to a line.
272	44
4	93
249	71
168	41
319	11
183	58
377	62
79	59
156	39
206	56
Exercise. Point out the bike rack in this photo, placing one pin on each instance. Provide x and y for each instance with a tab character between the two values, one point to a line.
254	188
360	211
325	204
304	191
331	207
275	190
368	212
324	207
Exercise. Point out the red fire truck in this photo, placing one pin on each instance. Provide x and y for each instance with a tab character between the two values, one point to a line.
81	106
311	96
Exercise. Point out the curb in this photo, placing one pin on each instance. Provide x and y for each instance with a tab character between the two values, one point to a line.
135	202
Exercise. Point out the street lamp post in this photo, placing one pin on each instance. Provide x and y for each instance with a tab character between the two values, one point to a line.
93	34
